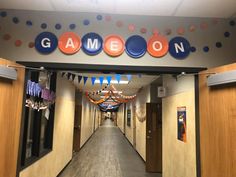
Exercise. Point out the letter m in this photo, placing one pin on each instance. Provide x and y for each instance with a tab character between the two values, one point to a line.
92	44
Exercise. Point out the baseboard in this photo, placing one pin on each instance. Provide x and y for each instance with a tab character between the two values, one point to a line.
89	138
64	168
77	152
133	146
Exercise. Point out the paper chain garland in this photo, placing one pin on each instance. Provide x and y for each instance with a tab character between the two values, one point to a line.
110	95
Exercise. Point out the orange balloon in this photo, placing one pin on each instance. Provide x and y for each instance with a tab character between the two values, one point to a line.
158	46
69	43
114	45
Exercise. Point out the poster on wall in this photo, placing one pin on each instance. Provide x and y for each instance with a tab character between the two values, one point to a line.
129	117
181	119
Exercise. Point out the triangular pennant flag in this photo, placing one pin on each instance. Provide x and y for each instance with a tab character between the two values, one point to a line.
129	77
85	79
101	80
73	77
93	80
62	74
68	76
109	79
118	77
79	79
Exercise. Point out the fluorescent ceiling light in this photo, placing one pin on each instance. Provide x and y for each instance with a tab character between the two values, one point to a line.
97	81
106	91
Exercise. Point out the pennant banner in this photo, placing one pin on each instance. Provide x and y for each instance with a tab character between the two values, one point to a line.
93	80
101	80
73	77
62	74
118	77
109	79
79	79
129	77
68	76
85	79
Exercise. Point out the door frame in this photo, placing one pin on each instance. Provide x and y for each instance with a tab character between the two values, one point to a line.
154	70
78	109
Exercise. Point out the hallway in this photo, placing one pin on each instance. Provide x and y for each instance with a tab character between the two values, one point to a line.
107	154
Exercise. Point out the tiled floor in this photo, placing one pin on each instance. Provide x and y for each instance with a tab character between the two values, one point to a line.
107	154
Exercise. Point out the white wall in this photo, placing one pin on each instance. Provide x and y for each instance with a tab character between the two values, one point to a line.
142	98
51	164
120	118
87	119
179	158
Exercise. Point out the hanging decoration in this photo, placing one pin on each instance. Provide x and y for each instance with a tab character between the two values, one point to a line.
140	113
85	79
101	80
93	80
79	79
108	107
62	74
118	77
68	76
129	77
73	77
123	96
109	79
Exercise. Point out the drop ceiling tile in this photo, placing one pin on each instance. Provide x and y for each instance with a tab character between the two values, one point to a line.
207	8
27	5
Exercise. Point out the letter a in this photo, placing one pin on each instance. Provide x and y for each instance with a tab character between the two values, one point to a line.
70	43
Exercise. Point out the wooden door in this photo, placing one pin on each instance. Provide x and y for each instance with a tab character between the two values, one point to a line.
77	128
217	126
134	126
11	102
125	118
154	137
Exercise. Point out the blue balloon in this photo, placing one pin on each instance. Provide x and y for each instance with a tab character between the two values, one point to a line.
179	48
92	43
136	46
46	42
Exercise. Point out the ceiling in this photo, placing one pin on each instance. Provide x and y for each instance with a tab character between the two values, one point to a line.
184	8
137	82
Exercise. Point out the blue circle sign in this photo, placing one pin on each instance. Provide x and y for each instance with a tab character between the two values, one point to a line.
46	42
92	43
136	46
179	48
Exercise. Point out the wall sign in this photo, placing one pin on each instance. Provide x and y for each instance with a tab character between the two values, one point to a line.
129	117
46	42
157	46
179	48
181	119
69	43
92	43
136	46
113	45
